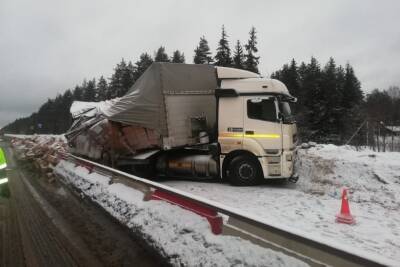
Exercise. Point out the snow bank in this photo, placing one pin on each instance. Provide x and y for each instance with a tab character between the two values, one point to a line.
371	177
183	237
310	206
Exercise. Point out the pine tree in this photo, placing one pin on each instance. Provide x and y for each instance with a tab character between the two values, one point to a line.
142	64
330	99
378	106
78	93
238	56
102	88
289	76
292	79
352	94
83	87
116	80
198	57
64	116
89	93
251	63
161	55
127	78
121	80
302	73
223	56
178	57
202	53
311	97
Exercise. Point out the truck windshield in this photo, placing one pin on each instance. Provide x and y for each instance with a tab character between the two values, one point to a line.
286	112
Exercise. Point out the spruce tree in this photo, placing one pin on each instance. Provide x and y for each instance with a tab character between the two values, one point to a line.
89	93
351	98
352	94
142	64
302	72
238	56
101	90
329	99
223	55
121	80
116	87
63	108
310	80
78	93
178	57
198	57
251	63
83	87
127	79
202	53
293	78
161	55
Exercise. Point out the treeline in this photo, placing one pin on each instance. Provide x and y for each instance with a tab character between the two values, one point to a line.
331	107
382	128
330	99
383	106
54	117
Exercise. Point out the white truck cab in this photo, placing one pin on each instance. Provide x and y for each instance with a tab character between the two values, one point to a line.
256	130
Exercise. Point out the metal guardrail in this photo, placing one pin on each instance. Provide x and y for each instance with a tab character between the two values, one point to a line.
250	227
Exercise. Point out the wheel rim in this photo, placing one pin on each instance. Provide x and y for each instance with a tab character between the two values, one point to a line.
246	171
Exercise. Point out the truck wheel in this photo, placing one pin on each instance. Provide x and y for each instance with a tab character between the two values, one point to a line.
244	170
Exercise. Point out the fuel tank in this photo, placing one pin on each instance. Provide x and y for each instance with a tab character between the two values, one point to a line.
196	166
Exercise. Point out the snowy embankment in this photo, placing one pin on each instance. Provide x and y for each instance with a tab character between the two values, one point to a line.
41	138
310	205
183	237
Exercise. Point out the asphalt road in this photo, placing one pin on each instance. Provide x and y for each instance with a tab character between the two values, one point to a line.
44	224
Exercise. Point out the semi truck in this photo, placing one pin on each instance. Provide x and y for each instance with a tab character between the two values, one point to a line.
195	122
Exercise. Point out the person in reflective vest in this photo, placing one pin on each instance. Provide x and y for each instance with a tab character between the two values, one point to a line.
3	166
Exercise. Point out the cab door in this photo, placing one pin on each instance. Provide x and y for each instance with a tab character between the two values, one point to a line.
262	126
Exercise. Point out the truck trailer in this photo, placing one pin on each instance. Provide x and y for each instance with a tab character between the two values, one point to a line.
194	122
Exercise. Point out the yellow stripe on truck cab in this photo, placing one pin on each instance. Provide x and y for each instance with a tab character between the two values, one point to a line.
237	135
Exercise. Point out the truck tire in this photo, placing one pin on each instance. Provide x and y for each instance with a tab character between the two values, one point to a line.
244	171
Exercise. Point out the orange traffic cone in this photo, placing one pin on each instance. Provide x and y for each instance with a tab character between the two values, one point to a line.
345	216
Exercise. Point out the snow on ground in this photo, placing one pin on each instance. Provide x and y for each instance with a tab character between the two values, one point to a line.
41	138
182	236
310	205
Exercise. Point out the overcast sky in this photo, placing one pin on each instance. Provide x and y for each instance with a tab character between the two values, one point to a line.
49	46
